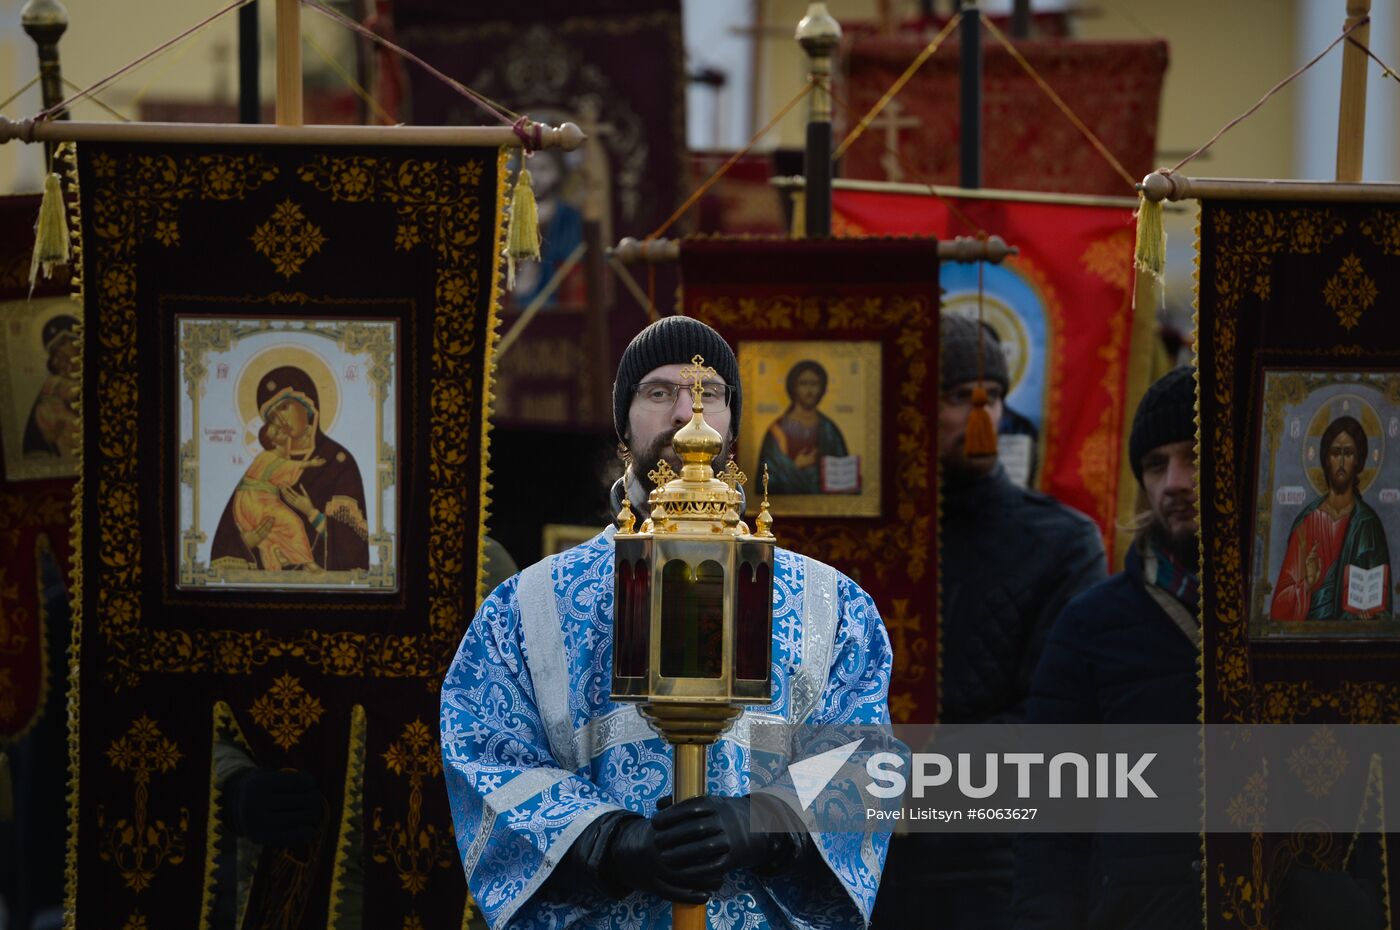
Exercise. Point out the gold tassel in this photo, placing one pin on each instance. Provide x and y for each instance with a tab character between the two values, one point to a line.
981	435
1151	253
523	236
50	233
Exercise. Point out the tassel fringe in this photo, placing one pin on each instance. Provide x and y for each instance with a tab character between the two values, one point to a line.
50	233
981	436
523	234
1151	253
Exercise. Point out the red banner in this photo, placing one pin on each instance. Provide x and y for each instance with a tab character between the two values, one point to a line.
1078	354
1114	87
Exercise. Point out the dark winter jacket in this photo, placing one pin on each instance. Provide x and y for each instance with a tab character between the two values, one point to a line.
1116	657
1010	559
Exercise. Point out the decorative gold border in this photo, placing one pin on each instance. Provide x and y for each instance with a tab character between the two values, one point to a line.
352	806
223	721
226	335
488	394
66	154
1306	381
868	503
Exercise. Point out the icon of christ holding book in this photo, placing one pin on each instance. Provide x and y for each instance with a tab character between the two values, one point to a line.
803	449
1337	565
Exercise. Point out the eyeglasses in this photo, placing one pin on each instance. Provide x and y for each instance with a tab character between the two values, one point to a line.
713	397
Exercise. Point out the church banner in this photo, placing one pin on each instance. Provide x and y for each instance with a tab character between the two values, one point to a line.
286	376
617	69
38	336
838	345
1114	87
1078	351
1299	396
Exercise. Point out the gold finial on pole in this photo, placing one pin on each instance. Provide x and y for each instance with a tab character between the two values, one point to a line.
626	520
763	523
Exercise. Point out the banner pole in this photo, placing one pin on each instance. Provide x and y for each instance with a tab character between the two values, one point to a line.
818	33
289	63
1351	114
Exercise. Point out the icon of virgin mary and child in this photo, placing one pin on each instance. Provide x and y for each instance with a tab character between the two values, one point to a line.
300	505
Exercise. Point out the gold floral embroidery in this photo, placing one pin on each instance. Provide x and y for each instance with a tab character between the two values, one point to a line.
1349	292
286	711
141	844
288	238
415	848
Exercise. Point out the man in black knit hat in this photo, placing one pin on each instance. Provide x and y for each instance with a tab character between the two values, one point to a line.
1124	652
558	794
1010	559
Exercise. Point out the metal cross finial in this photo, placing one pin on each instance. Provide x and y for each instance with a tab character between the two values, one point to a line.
696	372
732	476
662	474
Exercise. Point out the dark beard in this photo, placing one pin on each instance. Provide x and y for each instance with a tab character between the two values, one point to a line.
644	463
1185	548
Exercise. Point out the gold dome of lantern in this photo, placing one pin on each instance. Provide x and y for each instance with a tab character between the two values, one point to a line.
697	502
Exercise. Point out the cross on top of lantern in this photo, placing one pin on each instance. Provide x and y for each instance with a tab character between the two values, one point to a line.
694	587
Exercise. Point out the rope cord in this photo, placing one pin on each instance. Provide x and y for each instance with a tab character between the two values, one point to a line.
350	81
1386	70
19	93
897	86
1272	90
501	113
713	179
94	88
71	86
1059	102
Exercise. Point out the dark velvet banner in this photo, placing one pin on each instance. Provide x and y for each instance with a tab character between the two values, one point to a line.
286	355
617	69
1300	503
838	353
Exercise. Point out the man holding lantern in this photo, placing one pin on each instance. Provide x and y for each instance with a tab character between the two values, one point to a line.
560	796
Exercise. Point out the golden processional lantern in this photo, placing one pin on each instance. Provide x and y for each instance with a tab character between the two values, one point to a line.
693	607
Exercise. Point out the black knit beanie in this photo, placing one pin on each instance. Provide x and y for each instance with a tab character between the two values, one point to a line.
957	335
673	340
1166	415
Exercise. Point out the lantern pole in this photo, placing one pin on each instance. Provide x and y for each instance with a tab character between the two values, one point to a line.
693	669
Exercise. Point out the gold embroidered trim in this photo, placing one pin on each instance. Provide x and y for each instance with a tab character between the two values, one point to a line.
224	723
352	808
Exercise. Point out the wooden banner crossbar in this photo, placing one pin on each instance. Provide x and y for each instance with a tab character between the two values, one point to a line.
959	249
1159	186
567	136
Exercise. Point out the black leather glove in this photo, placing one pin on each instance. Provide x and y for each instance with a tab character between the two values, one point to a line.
711	836
273	808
